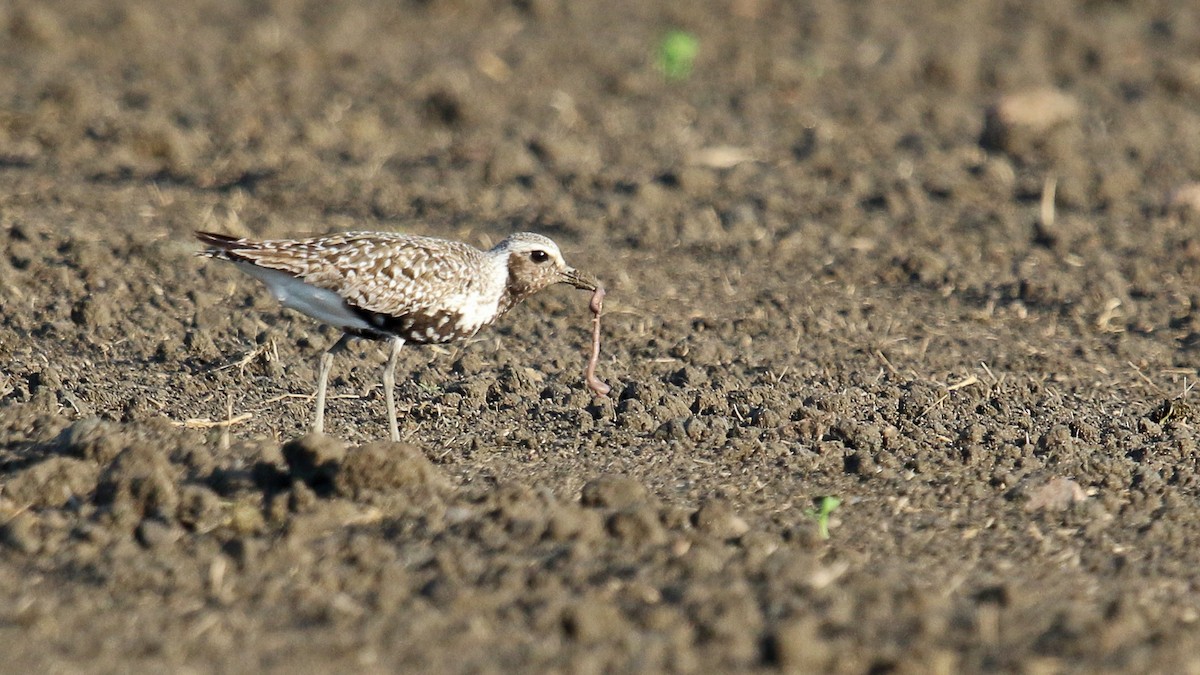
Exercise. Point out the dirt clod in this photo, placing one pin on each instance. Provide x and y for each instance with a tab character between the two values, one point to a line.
717	519
314	459
637	527
592	620
155	534
1056	494
53	482
568	522
139	483
796	647
1020	119
613	492
20	531
387	467
200	508
91	438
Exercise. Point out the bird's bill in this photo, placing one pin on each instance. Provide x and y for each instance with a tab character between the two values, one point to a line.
581	280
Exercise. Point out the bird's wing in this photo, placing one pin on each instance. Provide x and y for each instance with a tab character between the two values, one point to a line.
376	272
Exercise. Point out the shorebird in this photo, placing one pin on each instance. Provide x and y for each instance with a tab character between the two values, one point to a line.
397	287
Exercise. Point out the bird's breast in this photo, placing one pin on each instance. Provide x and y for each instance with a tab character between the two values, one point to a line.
422	327
446	307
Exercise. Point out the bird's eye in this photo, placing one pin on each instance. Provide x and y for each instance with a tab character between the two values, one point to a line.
539	257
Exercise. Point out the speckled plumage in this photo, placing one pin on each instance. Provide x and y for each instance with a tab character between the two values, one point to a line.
398	287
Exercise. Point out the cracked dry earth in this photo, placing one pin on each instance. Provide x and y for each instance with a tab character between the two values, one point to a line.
937	260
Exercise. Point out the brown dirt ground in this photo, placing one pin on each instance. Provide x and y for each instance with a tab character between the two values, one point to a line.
830	271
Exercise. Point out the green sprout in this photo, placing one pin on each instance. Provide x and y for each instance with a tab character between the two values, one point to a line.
677	53
825	508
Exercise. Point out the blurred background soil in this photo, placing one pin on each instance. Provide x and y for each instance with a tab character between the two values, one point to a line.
936	259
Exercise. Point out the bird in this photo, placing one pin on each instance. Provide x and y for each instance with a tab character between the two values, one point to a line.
395	287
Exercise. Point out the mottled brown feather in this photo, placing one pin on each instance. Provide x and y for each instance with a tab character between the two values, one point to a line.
421	289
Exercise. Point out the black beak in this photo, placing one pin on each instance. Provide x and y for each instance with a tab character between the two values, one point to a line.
581	280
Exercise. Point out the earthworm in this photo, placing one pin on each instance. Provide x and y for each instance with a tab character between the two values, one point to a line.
594	383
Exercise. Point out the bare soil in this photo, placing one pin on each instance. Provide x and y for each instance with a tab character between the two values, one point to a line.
939	260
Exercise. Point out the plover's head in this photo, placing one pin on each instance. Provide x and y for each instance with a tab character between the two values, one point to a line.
534	262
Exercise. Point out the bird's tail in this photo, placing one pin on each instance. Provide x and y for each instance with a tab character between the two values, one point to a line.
218	245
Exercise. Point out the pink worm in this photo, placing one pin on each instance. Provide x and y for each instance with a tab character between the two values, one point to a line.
594	383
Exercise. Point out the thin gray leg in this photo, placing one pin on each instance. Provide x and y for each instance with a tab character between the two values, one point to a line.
326	365
389	384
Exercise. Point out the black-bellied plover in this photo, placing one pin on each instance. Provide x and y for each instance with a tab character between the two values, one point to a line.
397	287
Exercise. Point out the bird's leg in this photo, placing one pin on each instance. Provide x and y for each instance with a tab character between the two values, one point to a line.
326	365
389	384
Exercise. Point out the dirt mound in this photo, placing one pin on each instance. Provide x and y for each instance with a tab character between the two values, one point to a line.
901	326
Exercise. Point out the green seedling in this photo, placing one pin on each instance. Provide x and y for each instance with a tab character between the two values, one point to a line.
825	506
677	54
429	388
